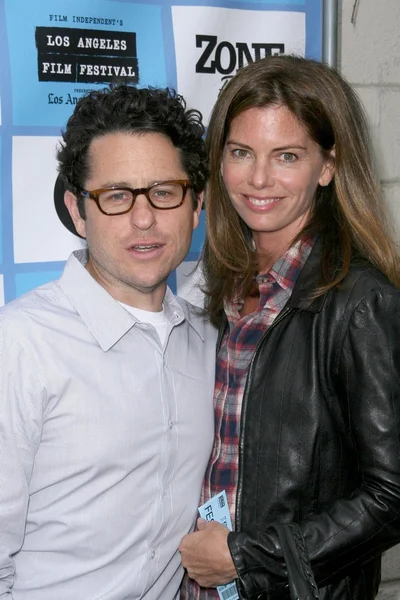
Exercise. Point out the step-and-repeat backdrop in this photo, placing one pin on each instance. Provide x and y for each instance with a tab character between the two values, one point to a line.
53	51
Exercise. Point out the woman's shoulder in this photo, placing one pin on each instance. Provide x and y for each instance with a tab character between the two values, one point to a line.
365	283
365	274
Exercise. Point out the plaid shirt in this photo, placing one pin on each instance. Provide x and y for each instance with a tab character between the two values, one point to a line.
233	361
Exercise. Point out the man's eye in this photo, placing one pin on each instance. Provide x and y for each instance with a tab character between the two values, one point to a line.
116	196
161	193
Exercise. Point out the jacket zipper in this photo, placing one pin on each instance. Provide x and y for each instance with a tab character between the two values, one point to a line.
278	319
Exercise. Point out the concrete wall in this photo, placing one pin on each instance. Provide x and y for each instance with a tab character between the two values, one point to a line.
369	57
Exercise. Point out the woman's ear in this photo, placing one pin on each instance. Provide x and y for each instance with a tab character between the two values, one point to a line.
328	170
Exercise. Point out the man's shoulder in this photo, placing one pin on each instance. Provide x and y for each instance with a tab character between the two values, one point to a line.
32	307
198	318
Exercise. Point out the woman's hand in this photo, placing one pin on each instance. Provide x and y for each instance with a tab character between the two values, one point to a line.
206	556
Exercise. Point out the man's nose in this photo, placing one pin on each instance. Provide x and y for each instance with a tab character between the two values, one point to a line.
143	215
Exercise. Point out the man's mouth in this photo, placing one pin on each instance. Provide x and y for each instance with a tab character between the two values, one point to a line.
145	247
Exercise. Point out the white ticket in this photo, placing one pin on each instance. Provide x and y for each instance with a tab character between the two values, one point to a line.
216	509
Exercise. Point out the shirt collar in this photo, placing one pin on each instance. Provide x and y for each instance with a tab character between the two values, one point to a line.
107	321
284	272
287	268
177	310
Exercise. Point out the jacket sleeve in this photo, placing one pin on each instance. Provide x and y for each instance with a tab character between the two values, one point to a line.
20	429
353	529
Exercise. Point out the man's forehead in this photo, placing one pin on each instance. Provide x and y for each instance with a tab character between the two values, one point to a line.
132	137
126	157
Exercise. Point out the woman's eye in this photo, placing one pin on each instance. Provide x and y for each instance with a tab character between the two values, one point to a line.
240	153
288	157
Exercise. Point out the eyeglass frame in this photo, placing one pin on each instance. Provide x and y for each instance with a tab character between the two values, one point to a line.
95	195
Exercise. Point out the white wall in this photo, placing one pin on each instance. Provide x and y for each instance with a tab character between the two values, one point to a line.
369	57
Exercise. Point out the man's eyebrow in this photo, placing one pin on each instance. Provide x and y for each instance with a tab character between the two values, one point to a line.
125	184
113	184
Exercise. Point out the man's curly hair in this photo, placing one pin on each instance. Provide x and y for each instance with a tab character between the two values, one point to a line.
125	108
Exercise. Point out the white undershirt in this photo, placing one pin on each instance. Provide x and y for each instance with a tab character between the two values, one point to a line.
157	319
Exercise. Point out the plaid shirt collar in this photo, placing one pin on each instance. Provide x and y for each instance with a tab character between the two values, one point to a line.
284	272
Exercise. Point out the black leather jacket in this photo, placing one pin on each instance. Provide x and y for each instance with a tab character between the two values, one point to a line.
320	438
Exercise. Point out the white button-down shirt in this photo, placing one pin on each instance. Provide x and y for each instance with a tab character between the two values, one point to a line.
104	440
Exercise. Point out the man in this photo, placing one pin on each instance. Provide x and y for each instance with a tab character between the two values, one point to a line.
106	417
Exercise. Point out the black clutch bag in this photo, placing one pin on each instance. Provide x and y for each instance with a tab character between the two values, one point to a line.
302	584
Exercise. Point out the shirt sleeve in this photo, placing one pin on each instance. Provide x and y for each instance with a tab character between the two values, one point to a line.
21	397
359	526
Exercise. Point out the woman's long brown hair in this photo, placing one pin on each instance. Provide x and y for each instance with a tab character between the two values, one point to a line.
350	212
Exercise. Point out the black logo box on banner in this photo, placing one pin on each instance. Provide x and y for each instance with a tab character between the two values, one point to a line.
86	55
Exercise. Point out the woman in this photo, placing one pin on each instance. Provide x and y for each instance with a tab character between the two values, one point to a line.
301	276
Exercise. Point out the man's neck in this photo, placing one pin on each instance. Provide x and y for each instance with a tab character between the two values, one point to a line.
150	300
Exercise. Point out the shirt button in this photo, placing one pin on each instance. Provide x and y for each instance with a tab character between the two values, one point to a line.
152	555
171	424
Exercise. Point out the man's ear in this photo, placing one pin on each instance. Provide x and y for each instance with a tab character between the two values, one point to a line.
71	202
197	210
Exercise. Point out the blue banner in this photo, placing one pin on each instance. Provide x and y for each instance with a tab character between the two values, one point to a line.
53	51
